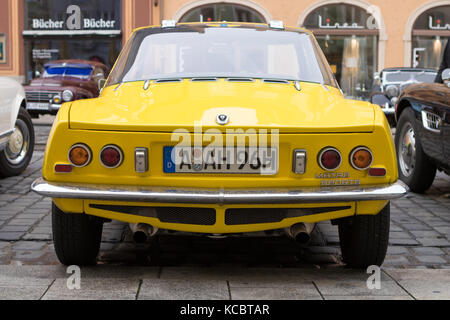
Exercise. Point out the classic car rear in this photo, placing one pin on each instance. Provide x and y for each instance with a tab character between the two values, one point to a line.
64	81
218	129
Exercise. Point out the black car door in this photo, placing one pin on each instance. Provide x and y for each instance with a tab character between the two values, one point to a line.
434	103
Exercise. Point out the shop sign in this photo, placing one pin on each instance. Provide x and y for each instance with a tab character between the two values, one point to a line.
438	25
337	25
74	21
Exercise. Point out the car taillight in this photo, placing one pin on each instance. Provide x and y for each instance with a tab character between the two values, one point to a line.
111	156
330	159
361	158
80	155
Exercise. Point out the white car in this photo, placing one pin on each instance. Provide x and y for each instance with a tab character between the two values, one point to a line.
16	129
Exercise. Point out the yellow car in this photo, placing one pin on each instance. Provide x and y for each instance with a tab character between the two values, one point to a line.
219	129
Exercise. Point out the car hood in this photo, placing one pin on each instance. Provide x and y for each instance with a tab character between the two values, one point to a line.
165	107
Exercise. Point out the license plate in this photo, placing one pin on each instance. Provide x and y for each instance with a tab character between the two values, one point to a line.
37	105
221	160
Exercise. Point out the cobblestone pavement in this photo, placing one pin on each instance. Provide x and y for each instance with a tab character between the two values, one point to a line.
419	238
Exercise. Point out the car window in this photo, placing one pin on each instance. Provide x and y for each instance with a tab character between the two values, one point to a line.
221	52
82	73
406	76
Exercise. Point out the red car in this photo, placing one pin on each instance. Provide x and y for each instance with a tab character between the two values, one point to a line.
64	81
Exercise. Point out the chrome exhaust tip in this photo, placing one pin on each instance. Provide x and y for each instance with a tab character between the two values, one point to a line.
301	232
142	232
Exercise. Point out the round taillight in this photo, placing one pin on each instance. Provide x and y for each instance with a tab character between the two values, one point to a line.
330	159
361	158
80	155
111	156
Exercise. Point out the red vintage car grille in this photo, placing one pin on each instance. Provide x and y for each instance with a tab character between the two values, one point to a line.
41	96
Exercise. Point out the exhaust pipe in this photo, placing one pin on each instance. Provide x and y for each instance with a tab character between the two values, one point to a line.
301	232
141	232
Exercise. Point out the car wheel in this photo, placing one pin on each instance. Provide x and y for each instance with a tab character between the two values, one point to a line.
15	158
415	168
76	237
364	239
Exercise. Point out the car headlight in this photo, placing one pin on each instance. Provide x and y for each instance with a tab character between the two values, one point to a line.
67	95
392	91
394	100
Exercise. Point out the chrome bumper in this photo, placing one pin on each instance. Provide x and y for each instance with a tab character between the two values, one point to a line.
219	196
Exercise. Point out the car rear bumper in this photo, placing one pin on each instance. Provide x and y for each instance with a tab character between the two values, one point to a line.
219	196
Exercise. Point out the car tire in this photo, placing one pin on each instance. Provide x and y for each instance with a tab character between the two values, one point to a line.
76	237
414	167
15	158
364	239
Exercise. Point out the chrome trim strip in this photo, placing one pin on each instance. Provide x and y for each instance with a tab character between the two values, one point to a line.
7	133
219	196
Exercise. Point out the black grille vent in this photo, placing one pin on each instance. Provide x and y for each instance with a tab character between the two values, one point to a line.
272	215
198	216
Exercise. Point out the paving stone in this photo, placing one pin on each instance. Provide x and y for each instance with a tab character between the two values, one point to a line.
428	251
392	250
358	288
430	259
276	293
183	290
8	228
426	234
411	242
424	284
434	242
94	289
29	245
10	236
395	260
37	236
22	222
399	235
22	293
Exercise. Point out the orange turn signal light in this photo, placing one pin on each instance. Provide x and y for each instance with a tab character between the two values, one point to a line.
361	158
80	155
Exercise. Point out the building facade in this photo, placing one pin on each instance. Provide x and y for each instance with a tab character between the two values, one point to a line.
358	37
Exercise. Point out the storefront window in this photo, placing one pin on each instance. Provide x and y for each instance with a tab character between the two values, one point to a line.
71	29
350	43
222	12
430	35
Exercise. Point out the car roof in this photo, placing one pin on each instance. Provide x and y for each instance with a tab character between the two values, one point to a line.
409	69
229	24
75	63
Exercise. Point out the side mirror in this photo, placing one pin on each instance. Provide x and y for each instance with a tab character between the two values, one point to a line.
101	84
446	75
376	76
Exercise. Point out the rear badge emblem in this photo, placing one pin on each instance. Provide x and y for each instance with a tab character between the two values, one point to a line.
222	119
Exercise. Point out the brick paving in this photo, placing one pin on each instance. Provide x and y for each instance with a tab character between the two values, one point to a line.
420	233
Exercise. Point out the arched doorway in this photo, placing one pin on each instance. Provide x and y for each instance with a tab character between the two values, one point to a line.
349	35
204	11
429	32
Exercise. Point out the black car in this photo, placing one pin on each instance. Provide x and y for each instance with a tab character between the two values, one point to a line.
391	82
422	138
